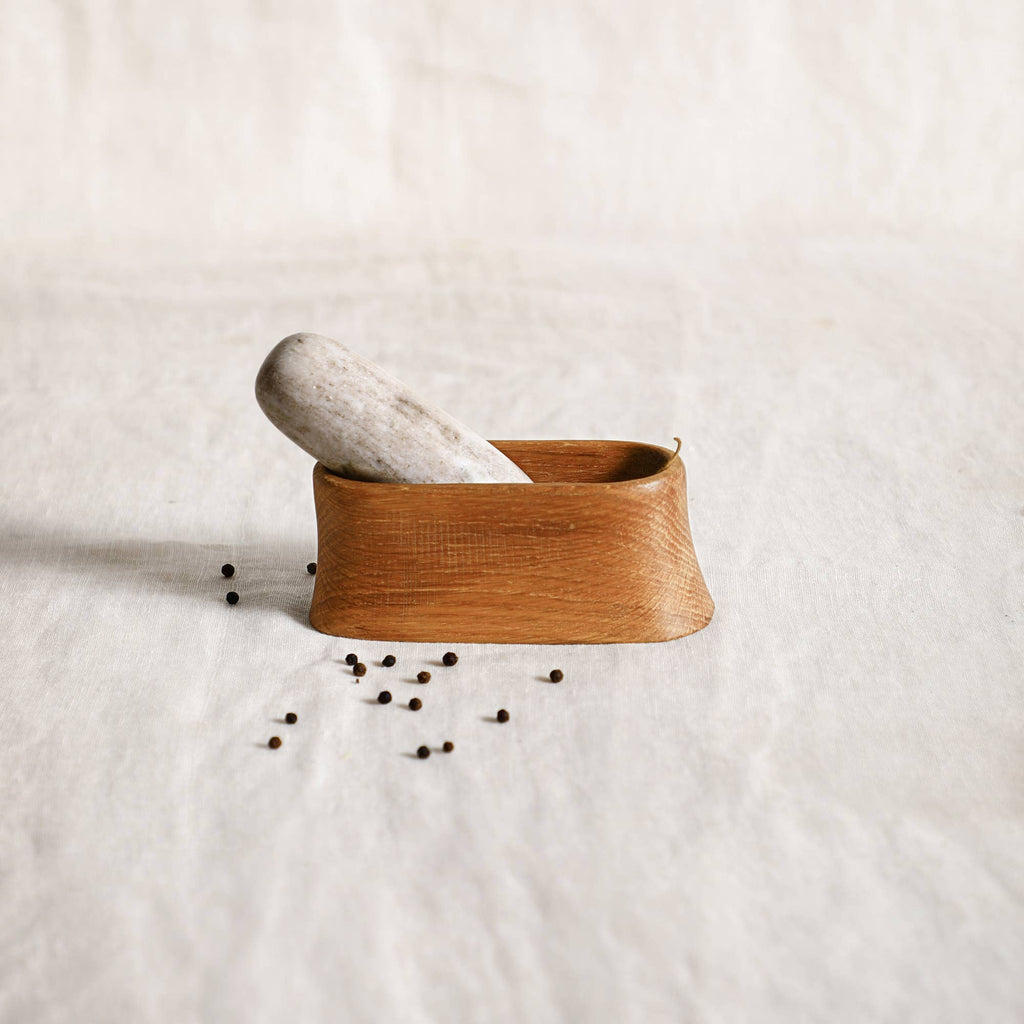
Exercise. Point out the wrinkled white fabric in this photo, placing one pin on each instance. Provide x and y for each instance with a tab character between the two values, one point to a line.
788	236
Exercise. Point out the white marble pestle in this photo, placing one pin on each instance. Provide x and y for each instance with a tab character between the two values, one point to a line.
361	422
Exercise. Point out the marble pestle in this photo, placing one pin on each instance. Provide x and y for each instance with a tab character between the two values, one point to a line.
360	422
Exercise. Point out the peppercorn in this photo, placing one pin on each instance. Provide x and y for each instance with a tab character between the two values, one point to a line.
383	697
359	669
274	742
228	570
388	661
311	568
450	658
423	753
502	715
556	675
422	677
448	746
350	659
291	718
415	704
232	597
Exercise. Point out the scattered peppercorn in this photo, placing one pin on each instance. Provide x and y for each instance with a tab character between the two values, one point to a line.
232	597
415	704
422	677
450	658
383	697
274	742
359	669
311	568
448	746
350	659
388	661
556	675
291	718
228	570
423	753
502	715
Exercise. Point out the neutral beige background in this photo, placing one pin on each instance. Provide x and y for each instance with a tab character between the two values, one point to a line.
789	234
634	121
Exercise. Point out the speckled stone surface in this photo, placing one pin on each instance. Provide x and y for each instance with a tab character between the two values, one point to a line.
361	422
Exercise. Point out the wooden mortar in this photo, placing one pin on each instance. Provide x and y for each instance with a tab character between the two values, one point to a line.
596	550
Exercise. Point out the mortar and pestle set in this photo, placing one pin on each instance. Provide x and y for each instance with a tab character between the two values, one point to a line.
428	532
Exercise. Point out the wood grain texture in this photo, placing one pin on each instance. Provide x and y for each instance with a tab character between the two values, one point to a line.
596	550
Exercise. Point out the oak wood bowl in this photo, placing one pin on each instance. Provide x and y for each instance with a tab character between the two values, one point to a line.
596	550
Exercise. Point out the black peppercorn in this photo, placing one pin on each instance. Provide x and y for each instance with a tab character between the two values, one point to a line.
450	658
415	704
311	568
359	669
388	661
423	752
291	718
448	746
502	715
232	597
383	697
274	742
556	675
350	659
228	570
422	677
